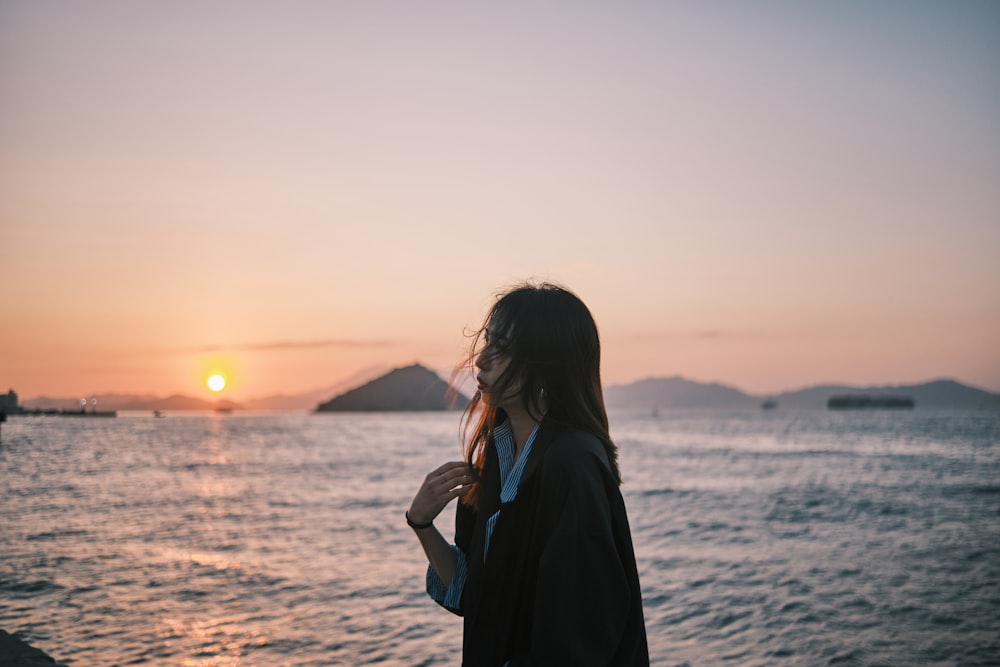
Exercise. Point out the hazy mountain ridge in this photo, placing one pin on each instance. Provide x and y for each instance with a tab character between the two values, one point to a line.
678	393
647	394
174	402
309	400
139	402
943	393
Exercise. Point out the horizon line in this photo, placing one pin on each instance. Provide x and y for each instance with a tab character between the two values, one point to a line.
604	387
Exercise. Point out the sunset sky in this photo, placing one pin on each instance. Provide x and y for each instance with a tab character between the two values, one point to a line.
769	194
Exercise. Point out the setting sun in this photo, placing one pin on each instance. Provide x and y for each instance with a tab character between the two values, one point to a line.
216	382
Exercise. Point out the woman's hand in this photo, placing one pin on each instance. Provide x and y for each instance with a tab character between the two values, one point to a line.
440	486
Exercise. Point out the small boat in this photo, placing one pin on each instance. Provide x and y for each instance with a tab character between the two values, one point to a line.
768	405
157	413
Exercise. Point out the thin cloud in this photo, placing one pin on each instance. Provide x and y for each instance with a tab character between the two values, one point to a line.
705	334
289	345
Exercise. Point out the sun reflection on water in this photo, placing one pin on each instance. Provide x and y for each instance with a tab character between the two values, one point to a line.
221	642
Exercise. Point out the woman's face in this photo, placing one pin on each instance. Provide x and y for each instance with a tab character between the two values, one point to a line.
491	362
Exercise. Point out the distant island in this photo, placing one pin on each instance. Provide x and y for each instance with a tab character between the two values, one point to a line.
411	388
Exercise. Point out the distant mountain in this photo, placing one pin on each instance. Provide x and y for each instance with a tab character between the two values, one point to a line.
676	392
409	388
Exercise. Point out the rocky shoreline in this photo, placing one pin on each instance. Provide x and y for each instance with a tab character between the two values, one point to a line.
16	653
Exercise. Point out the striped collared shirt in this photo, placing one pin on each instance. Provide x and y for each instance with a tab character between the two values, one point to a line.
510	477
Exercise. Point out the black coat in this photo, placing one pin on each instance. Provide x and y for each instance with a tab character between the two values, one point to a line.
560	585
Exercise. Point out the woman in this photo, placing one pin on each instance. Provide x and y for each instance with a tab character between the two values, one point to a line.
542	567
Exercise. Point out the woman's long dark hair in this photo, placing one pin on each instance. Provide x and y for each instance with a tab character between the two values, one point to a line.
555	360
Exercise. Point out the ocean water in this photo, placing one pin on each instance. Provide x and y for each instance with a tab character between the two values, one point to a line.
771	538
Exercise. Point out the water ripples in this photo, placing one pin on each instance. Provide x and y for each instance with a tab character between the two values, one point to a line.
762	539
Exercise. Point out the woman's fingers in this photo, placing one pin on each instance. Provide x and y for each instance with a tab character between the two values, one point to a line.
449	475
452	468
441	486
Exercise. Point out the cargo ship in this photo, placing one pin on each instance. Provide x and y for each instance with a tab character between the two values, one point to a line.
869	402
